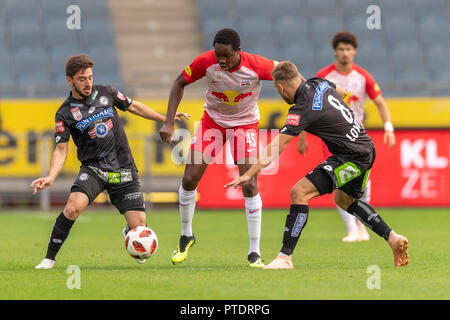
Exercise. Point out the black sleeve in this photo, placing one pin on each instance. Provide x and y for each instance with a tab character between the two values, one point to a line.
121	101
62	132
332	84
295	122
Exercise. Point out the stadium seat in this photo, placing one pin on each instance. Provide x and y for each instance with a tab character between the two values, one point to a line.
24	33
244	9
321	8
400	28
5	62
432	8
291	29
98	33
210	10
282	9
91	10
431	30
407	55
57	35
267	51
354	8
255	31
323	29
52	9
24	10
396	7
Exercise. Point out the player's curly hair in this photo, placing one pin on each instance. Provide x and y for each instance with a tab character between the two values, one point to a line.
228	36
345	36
76	63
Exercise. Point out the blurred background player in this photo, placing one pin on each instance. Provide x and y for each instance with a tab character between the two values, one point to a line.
231	110
357	82
320	110
89	115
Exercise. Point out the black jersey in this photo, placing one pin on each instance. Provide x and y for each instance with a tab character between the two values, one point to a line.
96	129
320	110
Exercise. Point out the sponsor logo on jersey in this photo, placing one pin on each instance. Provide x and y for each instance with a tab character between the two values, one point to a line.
293	119
104	101
59	126
76	113
92	109
188	71
230	97
57	139
101	129
318	95
245	83
105	113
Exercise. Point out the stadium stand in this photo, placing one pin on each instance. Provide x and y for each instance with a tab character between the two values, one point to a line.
141	47
406	56
35	42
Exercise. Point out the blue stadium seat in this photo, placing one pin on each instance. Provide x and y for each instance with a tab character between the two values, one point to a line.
432	29
323	29
98	33
213	10
400	28
267	51
434	8
57	35
281	9
321	8
256	8
5	62
25	33
25	10
396	7
291	29
437	58
354	8
407	55
52	9
91	10
255	31
303	57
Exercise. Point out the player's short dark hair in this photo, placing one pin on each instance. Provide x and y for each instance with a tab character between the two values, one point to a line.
285	71
228	36
76	63
346	37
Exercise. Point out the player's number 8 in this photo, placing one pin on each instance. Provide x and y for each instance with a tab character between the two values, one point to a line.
345	111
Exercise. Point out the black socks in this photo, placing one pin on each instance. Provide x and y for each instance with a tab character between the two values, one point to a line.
60	232
295	222
367	215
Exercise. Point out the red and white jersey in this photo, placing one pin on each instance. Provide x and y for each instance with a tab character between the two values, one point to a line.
231	96
357	81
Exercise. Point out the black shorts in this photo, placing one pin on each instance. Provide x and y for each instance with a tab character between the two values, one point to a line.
123	187
338	173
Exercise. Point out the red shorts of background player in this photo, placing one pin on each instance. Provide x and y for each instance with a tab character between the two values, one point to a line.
210	139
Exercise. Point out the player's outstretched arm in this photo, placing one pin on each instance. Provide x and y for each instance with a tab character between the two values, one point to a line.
140	109
270	153
385	116
58	158
176	94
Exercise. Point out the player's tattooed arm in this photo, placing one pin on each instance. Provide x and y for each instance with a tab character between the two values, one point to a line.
270	153
58	159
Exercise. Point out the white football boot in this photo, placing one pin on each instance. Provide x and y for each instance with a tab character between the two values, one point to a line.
45	264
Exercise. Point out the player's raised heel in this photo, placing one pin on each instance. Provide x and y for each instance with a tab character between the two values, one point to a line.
181	253
254	260
45	264
399	245
280	262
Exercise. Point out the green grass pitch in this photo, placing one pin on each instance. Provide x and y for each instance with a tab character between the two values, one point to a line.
325	267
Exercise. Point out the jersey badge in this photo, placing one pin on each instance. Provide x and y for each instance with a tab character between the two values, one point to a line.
76	113
104	101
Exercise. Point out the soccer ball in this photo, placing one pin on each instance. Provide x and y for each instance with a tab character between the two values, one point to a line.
141	242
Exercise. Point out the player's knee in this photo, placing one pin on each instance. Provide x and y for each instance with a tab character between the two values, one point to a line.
189	182
342	200
298	195
71	211
250	189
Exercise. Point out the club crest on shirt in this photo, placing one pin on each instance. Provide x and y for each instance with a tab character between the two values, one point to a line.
245	83
76	113
104	101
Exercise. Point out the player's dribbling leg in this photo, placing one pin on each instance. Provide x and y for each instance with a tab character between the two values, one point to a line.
61	228
187	195
134	219
296	220
367	215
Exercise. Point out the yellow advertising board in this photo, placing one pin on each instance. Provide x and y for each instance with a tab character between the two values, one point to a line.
26	128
